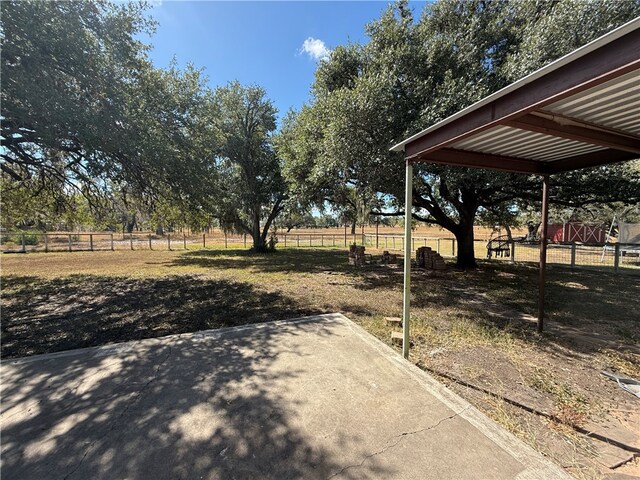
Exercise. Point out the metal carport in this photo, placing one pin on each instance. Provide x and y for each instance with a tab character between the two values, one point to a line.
583	110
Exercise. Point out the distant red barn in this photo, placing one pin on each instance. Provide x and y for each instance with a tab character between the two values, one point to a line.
576	232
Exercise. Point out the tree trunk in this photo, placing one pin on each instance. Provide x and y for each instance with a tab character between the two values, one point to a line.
508	230
256	235
466	254
353	226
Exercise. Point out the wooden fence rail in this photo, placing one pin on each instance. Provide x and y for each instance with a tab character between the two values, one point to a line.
611	255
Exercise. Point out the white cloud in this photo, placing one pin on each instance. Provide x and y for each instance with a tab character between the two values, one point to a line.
315	48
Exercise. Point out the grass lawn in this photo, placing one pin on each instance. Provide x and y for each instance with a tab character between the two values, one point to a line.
474	331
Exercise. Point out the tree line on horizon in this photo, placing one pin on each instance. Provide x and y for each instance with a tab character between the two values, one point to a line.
93	132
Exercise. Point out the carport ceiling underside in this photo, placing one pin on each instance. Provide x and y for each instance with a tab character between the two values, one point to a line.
582	110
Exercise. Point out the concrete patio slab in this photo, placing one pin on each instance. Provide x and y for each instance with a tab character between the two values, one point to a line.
311	398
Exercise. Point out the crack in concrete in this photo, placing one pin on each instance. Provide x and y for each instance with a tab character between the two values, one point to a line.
398	439
124	411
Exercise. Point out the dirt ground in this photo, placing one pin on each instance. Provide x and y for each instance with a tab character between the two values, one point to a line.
472	330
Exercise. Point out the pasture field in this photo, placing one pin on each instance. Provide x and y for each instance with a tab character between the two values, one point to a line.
473	330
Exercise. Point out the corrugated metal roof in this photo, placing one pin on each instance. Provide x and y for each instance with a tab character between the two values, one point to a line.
576	54
614	104
512	142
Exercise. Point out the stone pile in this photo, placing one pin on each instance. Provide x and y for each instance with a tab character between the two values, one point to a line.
356	255
427	258
388	258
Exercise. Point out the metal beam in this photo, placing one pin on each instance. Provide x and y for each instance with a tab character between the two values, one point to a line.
586	160
543	250
595	68
406	299
573	129
465	158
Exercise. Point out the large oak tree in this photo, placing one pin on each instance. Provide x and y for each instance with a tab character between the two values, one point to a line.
411	74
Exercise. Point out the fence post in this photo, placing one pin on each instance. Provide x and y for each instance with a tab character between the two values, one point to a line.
285	240
298	239
225	239
91	242
322	240
245	240
616	259
573	254
453	247
364	239
438	245
394	242
69	242
345	234
184	241
131	240
150	246
310	240
24	244
204	240
334	240
513	251
169	241
112	242
46	243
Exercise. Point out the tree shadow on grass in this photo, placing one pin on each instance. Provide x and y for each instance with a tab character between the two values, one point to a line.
586	311
48	315
214	407
283	260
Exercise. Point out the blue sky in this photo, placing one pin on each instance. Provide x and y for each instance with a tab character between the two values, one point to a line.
259	42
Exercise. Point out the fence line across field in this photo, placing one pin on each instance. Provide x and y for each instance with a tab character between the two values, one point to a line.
613	255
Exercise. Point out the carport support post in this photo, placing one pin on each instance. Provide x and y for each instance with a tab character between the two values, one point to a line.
407	259
543	250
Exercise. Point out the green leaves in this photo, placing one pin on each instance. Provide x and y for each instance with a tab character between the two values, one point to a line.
252	190
67	69
413	73
85	112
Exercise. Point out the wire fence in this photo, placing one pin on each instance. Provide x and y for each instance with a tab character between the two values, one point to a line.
82	241
98	241
612	256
